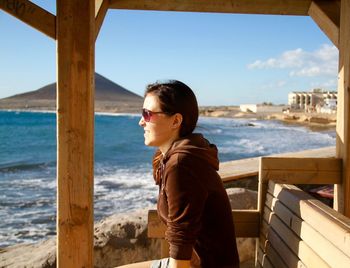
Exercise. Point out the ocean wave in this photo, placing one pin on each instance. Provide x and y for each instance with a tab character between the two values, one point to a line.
124	190
242	146
118	114
24	166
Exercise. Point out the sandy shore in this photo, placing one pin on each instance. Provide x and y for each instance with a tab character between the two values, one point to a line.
315	121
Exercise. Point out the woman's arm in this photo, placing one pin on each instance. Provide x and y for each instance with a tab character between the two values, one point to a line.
179	263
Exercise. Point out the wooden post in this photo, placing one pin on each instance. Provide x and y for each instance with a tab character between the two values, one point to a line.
342	191
75	132
262	188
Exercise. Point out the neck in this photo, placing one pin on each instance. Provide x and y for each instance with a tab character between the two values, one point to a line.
166	146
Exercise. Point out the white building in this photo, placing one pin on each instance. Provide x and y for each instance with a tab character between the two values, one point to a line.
313	100
260	108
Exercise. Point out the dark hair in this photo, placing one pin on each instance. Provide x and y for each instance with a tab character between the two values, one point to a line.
176	97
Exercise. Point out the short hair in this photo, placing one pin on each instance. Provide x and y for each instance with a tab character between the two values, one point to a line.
176	97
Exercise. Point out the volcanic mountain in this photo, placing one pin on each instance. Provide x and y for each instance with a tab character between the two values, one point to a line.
109	97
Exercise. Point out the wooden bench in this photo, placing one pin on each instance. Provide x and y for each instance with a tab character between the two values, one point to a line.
296	229
292	228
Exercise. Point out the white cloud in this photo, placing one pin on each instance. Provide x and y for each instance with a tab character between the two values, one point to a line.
275	84
330	84
301	63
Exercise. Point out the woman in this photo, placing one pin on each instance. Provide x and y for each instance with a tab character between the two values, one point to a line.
192	201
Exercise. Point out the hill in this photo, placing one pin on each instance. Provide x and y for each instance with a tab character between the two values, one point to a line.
109	97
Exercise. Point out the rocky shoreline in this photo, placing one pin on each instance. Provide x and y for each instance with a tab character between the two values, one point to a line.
120	239
316	121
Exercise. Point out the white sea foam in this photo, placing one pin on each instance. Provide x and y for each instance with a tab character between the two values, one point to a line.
118	114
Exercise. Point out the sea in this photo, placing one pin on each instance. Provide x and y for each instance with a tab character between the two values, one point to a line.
122	177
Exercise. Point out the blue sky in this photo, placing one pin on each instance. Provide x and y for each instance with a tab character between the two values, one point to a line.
227	59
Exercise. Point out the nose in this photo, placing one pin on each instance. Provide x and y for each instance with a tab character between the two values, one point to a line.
142	122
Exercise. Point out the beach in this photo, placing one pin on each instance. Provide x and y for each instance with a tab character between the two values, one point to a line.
313	120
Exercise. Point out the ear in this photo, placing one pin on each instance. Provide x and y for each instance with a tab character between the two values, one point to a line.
177	120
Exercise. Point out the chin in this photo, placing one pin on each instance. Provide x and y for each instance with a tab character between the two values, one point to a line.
150	143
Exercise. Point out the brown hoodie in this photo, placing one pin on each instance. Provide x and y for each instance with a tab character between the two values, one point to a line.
194	205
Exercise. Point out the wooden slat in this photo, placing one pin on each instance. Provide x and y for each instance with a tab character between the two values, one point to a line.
315	213
294	242
100	14
75	132
286	7
262	259
301	170
262	190
164	248
246	224
272	254
288	256
248	167
327	16
156	228
31	14
325	236
342	191
238	169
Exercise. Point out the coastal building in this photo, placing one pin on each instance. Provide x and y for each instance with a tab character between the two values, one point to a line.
260	108
314	101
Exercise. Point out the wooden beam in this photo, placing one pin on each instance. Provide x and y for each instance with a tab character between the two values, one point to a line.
277	7
326	14
100	14
248	167
301	170
246	224
238	169
31	14
75	132
342	191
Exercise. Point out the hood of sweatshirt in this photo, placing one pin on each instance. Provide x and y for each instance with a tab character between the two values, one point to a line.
194	145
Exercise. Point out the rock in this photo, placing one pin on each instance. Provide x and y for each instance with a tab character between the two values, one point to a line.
241	198
42	254
319	120
290	117
120	239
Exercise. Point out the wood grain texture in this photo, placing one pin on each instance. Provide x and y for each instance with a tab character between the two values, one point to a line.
75	132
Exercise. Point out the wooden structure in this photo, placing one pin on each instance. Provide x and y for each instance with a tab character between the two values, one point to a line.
249	167
293	228
75	28
297	230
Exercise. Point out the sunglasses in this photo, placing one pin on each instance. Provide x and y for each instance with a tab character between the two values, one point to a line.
147	114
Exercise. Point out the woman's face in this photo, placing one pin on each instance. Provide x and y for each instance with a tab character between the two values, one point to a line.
161	129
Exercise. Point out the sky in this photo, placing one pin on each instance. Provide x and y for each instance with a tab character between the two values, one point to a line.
227	59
